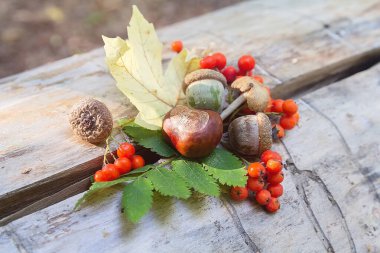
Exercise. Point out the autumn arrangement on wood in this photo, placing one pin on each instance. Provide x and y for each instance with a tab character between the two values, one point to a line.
212	124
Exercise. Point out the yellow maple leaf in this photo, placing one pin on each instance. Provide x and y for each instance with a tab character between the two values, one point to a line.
136	65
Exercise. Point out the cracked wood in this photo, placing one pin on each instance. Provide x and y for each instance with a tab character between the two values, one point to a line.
289	43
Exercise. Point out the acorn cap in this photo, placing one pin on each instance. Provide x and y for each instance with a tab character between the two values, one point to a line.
256	95
91	120
202	74
265	132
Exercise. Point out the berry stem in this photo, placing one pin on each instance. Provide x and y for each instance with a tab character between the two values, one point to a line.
108	148
244	160
233	106
118	143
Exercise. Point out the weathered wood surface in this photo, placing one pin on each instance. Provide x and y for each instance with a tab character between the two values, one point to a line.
332	187
288	40
331	201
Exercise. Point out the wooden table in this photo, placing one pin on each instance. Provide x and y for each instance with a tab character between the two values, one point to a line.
331	201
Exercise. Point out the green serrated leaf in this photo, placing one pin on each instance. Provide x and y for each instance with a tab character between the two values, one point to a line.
101	185
196	177
168	183
223	160
137	199
225	167
151	139
236	177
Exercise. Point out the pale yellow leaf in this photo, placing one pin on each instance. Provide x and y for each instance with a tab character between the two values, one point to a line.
136	65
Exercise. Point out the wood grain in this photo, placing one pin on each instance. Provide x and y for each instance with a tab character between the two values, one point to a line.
287	40
330	203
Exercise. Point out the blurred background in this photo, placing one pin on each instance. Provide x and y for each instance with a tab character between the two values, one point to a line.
41	31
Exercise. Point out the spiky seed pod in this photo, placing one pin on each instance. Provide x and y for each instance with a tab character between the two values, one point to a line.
91	120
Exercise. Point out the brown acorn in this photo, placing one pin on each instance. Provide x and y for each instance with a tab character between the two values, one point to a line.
194	133
250	135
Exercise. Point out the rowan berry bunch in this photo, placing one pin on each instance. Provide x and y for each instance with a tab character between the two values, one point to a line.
218	61
290	116
264	181
127	160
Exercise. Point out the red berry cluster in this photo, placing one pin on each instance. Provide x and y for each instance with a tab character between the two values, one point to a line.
264	180
125	163
218	61
289	115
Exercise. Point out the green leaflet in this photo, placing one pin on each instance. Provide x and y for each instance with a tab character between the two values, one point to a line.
225	167
223	160
137	199
101	185
196	177
151	139
168	183
236	177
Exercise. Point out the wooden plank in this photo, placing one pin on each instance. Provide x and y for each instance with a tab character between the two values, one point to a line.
339	160
207	220
45	154
330	204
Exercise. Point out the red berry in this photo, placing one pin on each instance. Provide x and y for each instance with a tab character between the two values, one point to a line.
270	155
273	205
137	162
246	63
289	107
241	73
177	46
126	150
275	178
277	105
280	131
239	193
256	170
208	62
220	60
263	197
296	116
288	122
123	164
255	184
110	172
99	176
269	106
273	166
275	190
259	78
229	73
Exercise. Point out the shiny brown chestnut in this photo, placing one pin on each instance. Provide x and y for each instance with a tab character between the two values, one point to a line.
194	133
